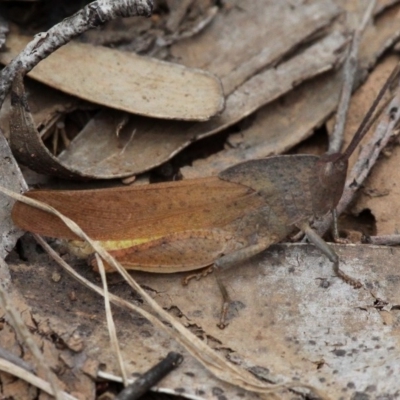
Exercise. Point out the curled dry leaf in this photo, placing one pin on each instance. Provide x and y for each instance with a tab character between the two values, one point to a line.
25	140
126	81
46	106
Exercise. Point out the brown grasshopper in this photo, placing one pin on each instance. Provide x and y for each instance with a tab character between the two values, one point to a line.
209	222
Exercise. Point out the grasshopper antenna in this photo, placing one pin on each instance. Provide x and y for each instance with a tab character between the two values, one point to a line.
371	115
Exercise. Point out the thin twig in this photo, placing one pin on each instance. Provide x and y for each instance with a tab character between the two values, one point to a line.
145	382
106	376
21	373
110	321
382	240
7	355
15	320
45	43
349	73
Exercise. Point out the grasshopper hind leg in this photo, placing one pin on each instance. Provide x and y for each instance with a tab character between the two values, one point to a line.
226	300
227	261
198	275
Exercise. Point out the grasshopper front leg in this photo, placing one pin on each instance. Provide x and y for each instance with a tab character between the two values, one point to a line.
335	229
330	253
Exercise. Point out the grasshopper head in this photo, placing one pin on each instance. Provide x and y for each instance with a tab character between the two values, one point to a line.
331	177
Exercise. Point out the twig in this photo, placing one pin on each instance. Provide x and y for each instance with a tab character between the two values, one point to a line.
110	321
142	384
45	43
21	373
367	158
25	336
7	355
349	73
106	376
383	240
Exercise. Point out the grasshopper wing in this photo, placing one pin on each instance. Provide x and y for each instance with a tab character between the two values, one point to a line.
137	212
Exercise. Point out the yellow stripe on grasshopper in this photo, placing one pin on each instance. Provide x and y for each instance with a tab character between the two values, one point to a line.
83	249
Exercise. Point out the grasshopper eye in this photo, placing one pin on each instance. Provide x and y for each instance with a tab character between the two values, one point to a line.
341	165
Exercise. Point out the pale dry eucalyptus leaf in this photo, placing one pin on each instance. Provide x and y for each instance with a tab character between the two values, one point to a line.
292	320
126	81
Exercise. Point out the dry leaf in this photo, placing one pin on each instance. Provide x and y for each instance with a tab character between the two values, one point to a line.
46	106
126	81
